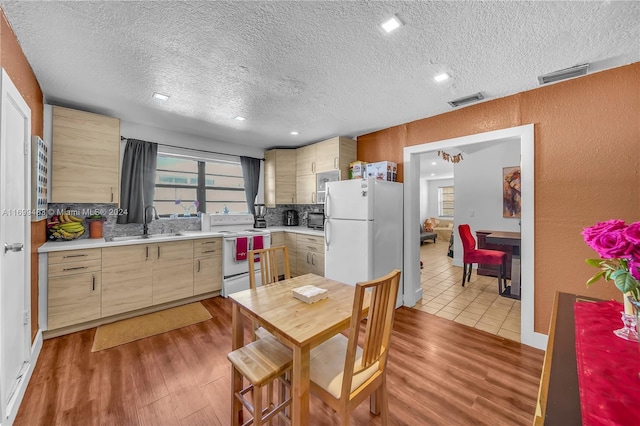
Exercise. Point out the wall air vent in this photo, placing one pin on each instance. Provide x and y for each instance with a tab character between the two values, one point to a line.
552	77
466	100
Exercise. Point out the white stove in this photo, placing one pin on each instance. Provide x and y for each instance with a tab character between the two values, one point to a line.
238	237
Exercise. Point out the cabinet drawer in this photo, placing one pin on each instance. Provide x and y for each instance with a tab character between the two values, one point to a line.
174	251
73	268
207	247
74	256
310	243
115	257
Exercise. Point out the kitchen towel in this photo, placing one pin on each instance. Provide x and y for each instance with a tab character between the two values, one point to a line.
241	248
257	245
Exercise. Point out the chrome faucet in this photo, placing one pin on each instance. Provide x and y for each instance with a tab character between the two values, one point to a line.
146	221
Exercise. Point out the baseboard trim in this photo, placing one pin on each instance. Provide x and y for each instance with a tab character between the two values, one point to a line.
14	404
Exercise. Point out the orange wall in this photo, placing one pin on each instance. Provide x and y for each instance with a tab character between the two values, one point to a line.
587	166
12	59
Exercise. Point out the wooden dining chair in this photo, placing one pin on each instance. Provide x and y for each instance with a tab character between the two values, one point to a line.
261	363
269	258
270	273
344	374
473	255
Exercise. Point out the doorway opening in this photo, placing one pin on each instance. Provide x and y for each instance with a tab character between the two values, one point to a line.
412	158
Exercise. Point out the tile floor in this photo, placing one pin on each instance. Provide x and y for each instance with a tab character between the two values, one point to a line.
477	304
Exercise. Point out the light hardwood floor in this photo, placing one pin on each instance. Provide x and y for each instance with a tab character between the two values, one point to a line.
477	304
440	372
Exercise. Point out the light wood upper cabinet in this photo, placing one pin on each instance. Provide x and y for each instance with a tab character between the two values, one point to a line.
85	160
279	177
207	265
325	156
306	189
306	160
336	154
73	287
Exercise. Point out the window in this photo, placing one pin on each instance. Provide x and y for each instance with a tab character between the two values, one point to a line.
185	186
445	201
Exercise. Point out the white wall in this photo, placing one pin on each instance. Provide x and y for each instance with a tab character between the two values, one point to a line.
478	190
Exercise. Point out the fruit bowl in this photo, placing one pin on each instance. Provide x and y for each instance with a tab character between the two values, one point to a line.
65	227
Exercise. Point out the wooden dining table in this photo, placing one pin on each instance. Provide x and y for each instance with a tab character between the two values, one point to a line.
299	325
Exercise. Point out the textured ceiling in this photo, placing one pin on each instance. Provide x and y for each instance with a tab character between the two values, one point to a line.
320	68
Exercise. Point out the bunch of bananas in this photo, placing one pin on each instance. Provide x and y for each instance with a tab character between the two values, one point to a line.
65	227
68	218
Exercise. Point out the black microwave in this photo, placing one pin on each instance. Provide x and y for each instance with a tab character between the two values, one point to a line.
315	220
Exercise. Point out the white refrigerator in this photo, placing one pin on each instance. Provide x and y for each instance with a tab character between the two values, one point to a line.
363	230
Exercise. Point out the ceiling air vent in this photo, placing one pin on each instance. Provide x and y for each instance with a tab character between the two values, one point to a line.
552	77
466	100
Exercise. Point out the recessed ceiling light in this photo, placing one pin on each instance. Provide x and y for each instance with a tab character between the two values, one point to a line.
294	133
441	77
433	163
433	174
391	24
239	118
160	96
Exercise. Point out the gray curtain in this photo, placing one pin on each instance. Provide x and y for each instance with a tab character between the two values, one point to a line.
251	175
137	185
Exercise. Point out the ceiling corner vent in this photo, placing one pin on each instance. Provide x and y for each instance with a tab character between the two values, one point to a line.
466	100
575	71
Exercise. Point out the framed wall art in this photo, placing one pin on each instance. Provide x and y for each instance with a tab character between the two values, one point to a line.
40	177
511	200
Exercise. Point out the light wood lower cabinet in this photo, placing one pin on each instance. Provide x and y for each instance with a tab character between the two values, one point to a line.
277	240
127	273
291	242
172	271
207	265
74	287
309	254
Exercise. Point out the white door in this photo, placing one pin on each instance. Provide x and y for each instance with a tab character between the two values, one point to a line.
15	234
347	251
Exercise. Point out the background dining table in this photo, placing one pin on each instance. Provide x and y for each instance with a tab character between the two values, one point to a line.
299	325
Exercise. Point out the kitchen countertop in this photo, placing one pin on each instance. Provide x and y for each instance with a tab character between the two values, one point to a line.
89	243
297	230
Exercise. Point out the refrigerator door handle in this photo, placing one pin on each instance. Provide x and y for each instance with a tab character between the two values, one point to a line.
327	204
327	234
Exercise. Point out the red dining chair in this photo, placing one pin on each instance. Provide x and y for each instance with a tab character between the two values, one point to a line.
488	257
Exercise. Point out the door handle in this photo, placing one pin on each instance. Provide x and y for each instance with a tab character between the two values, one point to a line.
15	247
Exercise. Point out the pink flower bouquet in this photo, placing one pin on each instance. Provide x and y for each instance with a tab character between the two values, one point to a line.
618	246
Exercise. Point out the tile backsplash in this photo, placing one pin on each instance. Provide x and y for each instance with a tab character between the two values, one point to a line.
274	217
113	229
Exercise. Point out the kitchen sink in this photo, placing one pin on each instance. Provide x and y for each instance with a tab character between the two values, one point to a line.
146	237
